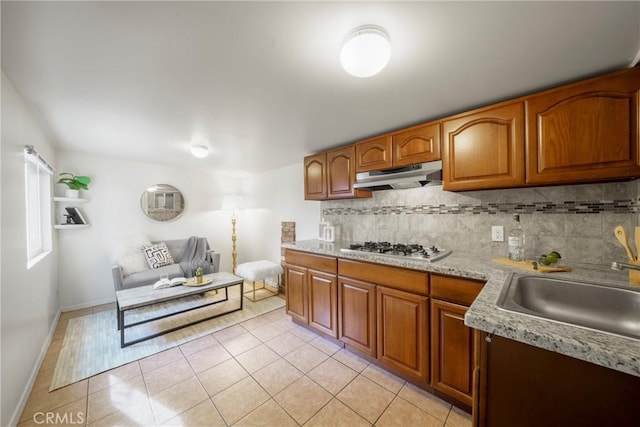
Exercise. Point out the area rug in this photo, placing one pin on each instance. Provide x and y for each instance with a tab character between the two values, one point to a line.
92	343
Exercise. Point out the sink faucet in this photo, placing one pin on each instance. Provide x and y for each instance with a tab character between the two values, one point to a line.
622	265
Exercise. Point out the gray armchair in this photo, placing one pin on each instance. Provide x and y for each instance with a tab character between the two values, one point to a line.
148	277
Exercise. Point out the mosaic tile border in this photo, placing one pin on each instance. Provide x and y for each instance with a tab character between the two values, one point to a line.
571	207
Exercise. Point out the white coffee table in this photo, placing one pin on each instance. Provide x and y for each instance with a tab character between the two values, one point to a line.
144	296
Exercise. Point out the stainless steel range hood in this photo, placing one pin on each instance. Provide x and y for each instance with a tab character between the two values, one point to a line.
412	176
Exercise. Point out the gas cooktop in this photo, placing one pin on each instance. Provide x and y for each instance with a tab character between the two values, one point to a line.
398	250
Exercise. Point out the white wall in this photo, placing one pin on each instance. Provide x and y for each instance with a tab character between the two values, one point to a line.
114	213
273	197
29	298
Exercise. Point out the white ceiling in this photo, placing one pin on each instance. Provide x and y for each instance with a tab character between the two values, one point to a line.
261	83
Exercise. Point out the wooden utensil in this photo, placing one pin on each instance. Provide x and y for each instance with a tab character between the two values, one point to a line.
621	235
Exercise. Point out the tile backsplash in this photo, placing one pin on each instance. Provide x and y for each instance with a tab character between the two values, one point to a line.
575	220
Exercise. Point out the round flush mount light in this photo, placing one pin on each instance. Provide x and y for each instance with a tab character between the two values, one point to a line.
366	51
200	151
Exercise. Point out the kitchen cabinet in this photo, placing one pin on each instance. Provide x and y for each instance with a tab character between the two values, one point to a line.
484	148
311	290
402	332
452	343
522	385
357	314
394	326
331	175
417	144
586	131
374	154
315	177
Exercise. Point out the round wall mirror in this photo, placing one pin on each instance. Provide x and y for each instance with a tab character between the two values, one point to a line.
162	202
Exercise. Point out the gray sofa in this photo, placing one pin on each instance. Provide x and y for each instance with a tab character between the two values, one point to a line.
148	277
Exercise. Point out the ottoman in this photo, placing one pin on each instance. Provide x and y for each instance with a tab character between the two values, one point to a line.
258	271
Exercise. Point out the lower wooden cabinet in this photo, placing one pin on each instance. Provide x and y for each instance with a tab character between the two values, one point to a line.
403	332
297	298
312	292
357	314
452	350
526	386
323	299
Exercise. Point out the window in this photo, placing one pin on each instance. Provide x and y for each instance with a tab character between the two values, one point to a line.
37	174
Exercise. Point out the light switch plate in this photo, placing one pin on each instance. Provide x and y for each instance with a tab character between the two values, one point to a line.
497	233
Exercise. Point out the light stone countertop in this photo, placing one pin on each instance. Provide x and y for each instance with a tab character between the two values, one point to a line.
608	350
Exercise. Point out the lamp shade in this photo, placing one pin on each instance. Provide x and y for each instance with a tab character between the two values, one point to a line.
366	51
233	202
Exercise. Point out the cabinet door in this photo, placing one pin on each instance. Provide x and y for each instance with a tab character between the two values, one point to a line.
416	145
315	177
374	154
323	300
452	350
297	298
402	332
357	314
341	174
484	149
584	132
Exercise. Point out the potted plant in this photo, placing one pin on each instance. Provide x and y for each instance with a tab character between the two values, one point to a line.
74	182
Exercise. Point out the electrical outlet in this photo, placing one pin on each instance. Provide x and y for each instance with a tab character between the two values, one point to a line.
497	233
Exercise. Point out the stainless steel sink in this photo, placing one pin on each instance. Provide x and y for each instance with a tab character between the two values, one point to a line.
593	306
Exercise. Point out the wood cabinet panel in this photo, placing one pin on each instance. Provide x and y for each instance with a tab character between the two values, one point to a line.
484	149
297	298
394	277
315	177
323	299
374	154
452	351
341	172
527	386
402	332
455	289
418	144
315	262
584	132
356	314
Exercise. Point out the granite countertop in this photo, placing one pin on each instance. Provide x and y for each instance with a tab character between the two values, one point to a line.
608	350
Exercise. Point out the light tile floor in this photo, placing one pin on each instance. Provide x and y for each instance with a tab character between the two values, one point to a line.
266	371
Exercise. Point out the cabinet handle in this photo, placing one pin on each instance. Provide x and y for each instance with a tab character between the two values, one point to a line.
488	337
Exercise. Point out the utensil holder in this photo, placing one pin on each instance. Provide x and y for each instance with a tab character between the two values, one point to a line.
634	275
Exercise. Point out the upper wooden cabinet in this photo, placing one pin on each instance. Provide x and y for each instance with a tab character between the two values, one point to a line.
418	144
484	148
331	175
586	131
374	154
315	177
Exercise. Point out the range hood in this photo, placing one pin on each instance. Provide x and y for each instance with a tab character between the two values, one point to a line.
411	176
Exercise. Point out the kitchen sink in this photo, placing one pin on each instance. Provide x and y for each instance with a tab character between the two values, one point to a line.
593	306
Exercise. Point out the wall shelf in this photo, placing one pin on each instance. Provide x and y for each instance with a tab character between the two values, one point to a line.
70	226
69	200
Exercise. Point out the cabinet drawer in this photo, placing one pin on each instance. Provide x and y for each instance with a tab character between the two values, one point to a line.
311	261
393	277
455	289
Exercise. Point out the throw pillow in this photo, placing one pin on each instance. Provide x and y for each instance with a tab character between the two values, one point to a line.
128	255
157	255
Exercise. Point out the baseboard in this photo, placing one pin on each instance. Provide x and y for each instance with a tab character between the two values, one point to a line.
15	418
87	305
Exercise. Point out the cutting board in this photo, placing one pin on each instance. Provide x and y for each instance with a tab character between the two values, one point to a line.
528	265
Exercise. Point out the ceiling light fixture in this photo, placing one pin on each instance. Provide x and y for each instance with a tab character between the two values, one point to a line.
366	51
200	151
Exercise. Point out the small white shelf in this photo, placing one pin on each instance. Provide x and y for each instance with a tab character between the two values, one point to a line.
70	226
69	200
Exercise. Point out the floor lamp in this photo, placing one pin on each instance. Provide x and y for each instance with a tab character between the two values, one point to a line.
233	202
